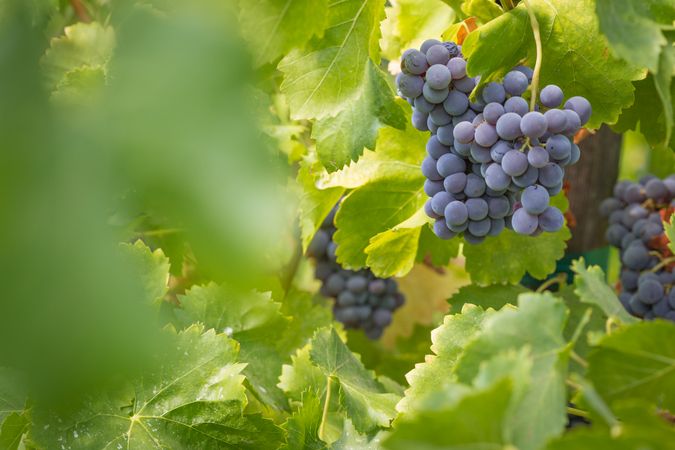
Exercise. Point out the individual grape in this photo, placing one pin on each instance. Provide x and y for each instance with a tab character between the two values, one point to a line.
453	49
456	213
458	228
437	54
498	151
438	76
629	279
334	284
449	164
535	199
556	120
475	186
551	220
431	125
444	134
492	112
457	68
421	104
644	179
382	317
496	227
551	96
456	103
670	185
671	299
477	106
479	228
434	96
430	212
523	222
537	157
317	247
455	183
432	187
514	163
575	154
409	85
615	234
609	205
467	116
637	307
429	169
465	84
496	178
426	45
464	132
439	117
516	105
485	135
528	178
661	309
656	189
494	92
415	62
498	207
435	148
331	250
472	239
550	175
480	154
462	149
581	106
650	292
419	120
442	231
634	194
526	71
515	82
377	286
477	208
620	189
533	125
508	126
478	120
636	257
572	122
559	146
440	200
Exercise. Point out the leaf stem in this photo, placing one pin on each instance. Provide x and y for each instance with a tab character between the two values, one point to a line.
537	65
508	5
578	412
662	264
558	279
324	416
575	356
80	11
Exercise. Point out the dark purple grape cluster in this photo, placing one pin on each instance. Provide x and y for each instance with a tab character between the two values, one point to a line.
361	300
491	164
636	213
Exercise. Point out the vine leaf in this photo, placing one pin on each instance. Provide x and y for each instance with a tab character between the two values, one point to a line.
670	232
494	296
592	288
483	10
637	361
302	427
153	267
575	54
322	79
301	376
635	28
13	429
343	137
287	24
195	398
365	400
352	440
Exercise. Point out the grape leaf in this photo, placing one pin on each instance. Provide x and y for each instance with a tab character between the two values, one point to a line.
302	427
153	268
447	344
571	40
537	323
301	375
512	255
364	399
343	137
253	320
315	204
483	10
13	429
634	28
669	228
79	86
82	45
410	22
12	392
192	400
352	440
432	250
637	361
287	24
494	296
321	80
592	288
475	422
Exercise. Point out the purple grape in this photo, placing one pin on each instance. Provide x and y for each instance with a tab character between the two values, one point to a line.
430	212
508	126
456	103
440	200
434	96
494	92
426	45
480	154
409	85
496	178
526	71
498	207
442	231
523	222
455	183
528	178
636	257
465	84
537	157
475	186
419	120
650	292
581	106
556	119
551	96
515	82
485	135
516	105
514	163
464	132
479	228
438	76
572	122
477	208
449	164
437	54
439	117
431	188
457	68
550	175
435	148
535	199
533	125
656	189
496	227
456	213
492	112
444	135
559	146
499	150
551	220
421	104
415	62
429	169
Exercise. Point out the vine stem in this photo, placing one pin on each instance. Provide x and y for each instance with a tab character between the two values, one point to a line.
578	412
324	415
663	263
575	356
508	4
558	279
80	11
537	42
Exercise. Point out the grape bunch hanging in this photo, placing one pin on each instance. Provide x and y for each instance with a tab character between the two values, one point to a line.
493	163
361	300
636	213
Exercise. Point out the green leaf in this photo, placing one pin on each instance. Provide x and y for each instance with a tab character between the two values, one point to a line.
321	80
343	137
571	41
365	400
537	323
12	392
634	28
274	27
483	10
411	22
663	81
436	251
79	86
302	428
253	320
592	288
494	296
447	344
352	440
637	361
669	228
475	422
192	400
301	375
315	204
82	45
511	255
153	268
13	429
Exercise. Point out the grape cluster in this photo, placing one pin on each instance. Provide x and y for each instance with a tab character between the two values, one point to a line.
362	300
636	213
491	164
